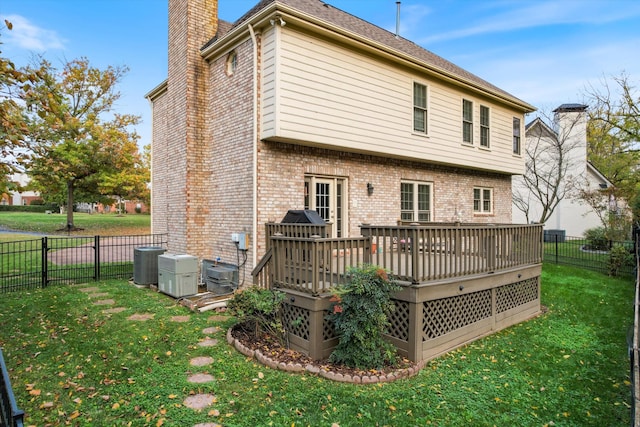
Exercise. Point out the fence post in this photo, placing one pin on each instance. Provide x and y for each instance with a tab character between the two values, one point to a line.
43	261
555	236
96	258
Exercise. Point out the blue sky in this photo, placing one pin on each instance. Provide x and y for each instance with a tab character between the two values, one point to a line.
545	52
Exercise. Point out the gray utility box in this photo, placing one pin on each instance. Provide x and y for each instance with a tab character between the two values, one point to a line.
145	264
178	275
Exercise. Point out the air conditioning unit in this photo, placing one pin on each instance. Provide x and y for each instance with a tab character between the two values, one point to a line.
220	278
178	275
145	264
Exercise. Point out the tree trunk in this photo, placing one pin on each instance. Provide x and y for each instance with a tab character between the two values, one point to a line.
70	205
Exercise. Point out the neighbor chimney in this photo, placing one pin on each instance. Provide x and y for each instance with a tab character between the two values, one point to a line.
397	19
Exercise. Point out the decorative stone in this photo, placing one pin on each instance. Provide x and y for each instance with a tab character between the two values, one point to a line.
208	342
211	330
199	401
201	361
312	369
200	378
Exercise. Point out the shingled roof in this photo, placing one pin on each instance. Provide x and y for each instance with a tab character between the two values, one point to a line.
350	23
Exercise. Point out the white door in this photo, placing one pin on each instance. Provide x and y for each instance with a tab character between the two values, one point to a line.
327	197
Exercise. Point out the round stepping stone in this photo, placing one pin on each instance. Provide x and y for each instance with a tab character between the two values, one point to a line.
208	425
99	295
114	310
211	330
218	318
180	319
200	378
91	289
199	401
201	361
104	302
141	317
209	342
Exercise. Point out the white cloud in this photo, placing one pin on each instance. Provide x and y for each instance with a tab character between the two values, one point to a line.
544	13
28	36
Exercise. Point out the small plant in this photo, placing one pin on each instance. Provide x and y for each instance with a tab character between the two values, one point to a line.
619	257
260	310
597	239
360	317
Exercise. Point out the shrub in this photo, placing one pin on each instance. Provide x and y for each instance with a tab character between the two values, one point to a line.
260	310
619	257
597	239
359	314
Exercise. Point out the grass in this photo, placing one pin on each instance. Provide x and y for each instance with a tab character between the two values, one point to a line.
71	363
92	224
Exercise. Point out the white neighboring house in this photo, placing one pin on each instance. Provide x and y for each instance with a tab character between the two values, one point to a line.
570	216
21	197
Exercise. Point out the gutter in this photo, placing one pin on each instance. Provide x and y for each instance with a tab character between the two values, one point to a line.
255	144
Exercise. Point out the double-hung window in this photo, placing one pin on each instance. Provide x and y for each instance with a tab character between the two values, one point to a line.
420	108
484	126
516	135
415	201
482	200
467	121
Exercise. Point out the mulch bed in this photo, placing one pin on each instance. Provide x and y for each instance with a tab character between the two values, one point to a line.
275	350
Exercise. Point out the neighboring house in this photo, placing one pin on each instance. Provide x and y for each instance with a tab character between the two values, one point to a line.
570	217
20	197
300	105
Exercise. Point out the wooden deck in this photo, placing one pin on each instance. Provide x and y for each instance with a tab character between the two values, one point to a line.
459	282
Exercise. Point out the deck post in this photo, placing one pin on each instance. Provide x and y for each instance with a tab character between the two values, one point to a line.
414	350
316	336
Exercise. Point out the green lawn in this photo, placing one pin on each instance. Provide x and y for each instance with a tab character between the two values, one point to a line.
92	224
71	363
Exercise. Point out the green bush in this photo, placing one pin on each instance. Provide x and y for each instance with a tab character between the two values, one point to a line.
597	239
35	208
259	310
359	314
619	257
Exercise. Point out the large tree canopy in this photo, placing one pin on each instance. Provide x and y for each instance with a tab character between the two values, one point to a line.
614	134
79	143
13	142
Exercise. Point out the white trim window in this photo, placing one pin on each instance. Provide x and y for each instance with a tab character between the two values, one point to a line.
415	201
467	121
516	136
482	200
485	120
420	109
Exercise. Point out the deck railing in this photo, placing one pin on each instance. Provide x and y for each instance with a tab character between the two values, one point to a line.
413	254
419	253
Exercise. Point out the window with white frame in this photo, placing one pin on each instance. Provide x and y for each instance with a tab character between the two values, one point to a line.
516	135
482	200
415	201
419	108
467	121
484	126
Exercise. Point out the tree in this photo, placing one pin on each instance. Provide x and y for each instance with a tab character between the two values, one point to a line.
77	140
551	158
614	134
13	143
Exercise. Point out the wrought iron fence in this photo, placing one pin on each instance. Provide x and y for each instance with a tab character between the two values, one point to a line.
10	414
605	257
30	264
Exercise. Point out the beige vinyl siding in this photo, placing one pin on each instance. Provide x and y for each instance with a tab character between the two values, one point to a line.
323	94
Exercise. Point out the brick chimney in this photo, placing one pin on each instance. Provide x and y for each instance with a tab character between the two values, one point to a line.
191	24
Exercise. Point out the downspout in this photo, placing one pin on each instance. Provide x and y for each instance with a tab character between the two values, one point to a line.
255	145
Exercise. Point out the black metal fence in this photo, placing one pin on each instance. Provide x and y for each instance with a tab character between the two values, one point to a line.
10	415
606	257
37	263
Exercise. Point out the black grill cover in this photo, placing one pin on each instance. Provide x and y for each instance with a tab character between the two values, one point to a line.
306	216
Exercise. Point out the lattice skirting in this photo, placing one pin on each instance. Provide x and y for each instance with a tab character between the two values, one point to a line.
441	324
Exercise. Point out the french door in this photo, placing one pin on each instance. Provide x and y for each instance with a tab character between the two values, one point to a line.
327	196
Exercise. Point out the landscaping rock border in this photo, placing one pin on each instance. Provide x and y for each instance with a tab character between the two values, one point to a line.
322	372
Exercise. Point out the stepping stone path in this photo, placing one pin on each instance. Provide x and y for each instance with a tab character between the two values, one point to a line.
199	401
